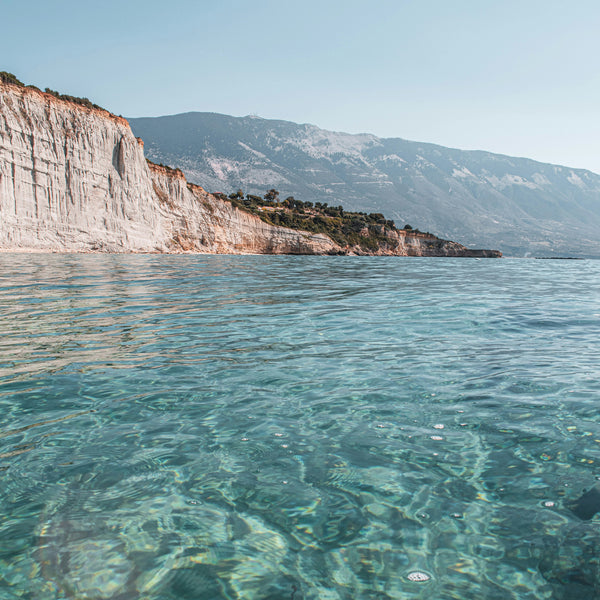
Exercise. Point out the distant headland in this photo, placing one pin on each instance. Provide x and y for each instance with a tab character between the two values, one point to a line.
73	178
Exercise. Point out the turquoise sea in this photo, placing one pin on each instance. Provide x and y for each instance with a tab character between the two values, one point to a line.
294	428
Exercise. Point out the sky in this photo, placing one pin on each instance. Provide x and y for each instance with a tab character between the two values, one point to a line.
514	77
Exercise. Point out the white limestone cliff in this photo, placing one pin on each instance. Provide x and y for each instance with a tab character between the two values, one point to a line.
74	178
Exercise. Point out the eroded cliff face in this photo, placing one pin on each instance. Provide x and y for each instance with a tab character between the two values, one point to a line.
75	179
71	178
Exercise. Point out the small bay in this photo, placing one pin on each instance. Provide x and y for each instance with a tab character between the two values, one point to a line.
297	427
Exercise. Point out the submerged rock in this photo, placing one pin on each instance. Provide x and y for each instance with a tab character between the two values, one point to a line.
587	505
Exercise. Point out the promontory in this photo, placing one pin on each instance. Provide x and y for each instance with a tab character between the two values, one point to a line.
73	178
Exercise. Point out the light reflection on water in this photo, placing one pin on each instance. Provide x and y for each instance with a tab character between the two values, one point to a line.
297	427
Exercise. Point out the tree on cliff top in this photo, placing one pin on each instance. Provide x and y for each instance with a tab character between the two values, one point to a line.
6	77
272	195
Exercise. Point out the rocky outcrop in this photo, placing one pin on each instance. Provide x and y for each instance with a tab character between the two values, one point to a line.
199	222
74	178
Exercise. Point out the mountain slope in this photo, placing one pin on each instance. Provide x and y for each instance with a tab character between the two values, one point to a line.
481	199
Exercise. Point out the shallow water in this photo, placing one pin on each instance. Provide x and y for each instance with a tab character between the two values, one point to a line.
297	428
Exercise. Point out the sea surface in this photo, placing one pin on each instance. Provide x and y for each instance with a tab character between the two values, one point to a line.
291	428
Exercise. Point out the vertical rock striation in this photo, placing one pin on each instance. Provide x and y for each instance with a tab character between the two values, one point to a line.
71	178
74	178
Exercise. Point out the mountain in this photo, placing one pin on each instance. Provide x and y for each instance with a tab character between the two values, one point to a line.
520	206
73	178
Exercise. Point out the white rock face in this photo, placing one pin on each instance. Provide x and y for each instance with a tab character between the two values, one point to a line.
72	178
199	222
75	179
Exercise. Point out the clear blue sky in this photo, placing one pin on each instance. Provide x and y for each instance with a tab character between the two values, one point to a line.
516	77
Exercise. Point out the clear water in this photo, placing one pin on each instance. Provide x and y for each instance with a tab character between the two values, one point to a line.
177	427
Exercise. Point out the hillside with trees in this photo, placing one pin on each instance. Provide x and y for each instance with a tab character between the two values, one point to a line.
368	231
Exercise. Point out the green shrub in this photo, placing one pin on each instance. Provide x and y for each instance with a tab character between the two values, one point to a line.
73	99
348	229
6	77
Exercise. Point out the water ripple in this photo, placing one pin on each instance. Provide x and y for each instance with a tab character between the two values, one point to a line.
297	427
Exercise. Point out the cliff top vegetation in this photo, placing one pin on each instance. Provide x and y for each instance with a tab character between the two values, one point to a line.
6	77
369	231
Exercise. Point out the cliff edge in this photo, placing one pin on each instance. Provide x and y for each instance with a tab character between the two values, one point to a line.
73	178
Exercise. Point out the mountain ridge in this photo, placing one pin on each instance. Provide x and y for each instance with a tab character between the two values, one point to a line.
366	133
480	198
